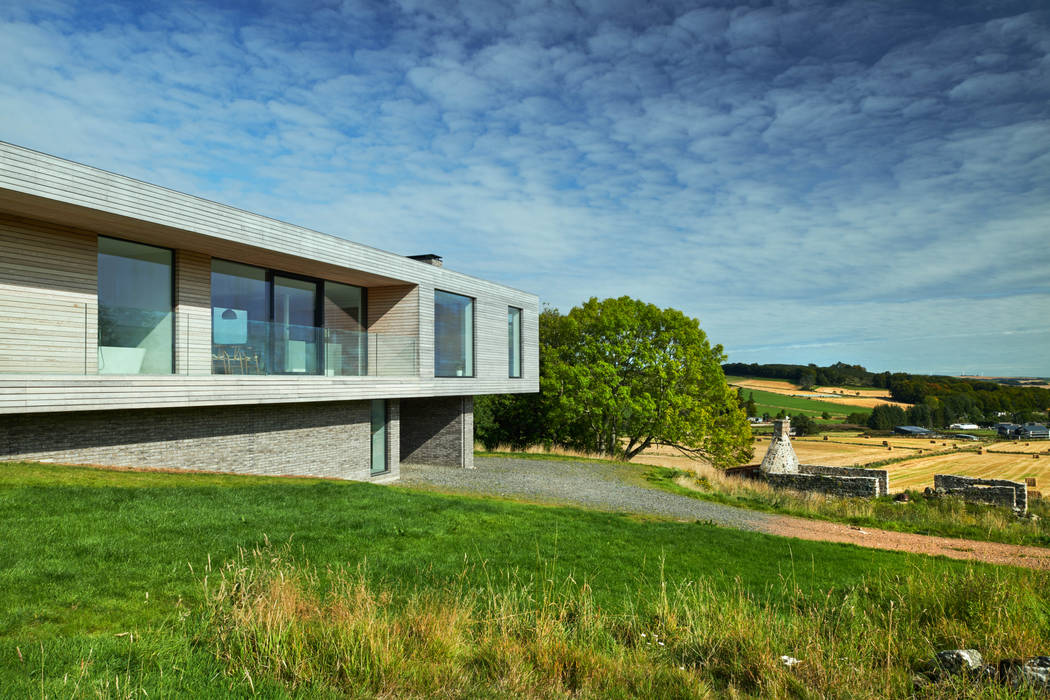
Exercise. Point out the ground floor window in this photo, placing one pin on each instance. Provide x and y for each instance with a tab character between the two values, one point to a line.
380	461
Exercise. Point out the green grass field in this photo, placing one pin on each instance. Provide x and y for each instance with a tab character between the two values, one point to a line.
103	580
769	402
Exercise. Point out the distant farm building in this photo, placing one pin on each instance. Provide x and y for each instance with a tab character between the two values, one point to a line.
912	431
1033	431
1007	430
963	426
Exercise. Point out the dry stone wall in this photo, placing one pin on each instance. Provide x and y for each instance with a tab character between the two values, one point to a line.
996	492
845	486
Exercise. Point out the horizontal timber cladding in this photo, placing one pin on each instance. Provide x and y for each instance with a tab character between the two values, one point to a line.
48	294
438	431
193	313
326	439
69	204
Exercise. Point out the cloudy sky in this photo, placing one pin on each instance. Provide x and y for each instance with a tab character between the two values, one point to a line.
815	181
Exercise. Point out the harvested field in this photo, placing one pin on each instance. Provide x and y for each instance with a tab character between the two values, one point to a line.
869	398
1033	446
919	473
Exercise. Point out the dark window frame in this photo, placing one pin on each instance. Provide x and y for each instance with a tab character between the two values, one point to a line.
521	343
473	337
174	298
271	310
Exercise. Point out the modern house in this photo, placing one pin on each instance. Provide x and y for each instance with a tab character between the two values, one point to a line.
145	327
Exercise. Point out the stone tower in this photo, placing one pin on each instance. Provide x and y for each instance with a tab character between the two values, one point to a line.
780	457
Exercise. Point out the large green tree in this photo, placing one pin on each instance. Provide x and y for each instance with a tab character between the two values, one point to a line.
622	375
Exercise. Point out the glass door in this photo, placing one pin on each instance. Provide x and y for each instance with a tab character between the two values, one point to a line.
379	464
295	327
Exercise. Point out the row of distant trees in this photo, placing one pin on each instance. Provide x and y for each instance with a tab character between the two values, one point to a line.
938	401
616	377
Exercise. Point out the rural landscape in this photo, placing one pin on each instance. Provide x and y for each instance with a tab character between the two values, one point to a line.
559	350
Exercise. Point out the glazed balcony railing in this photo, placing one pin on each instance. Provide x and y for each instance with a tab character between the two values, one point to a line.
77	339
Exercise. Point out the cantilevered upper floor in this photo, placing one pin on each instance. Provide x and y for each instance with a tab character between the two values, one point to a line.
115	293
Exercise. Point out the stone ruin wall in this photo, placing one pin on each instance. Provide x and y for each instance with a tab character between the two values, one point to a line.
846	486
996	492
880	475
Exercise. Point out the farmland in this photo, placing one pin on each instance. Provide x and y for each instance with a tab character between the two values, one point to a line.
920	460
851	399
773	403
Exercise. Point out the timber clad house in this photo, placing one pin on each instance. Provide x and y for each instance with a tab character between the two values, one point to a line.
144	327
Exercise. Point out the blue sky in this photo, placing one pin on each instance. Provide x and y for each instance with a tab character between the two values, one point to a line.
815	181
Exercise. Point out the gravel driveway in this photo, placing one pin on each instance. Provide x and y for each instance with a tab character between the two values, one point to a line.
623	489
620	489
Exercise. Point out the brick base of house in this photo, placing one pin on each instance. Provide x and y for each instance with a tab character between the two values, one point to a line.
329	439
438	431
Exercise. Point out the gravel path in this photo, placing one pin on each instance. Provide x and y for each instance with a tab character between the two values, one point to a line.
623	489
590	484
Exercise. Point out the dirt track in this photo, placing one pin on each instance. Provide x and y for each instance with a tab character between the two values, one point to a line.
623	489
971	550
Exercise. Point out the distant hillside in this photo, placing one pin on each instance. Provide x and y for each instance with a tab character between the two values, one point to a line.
950	398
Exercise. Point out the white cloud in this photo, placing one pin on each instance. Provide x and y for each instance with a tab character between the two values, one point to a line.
832	166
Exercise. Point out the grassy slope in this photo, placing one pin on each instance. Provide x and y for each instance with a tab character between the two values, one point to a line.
92	554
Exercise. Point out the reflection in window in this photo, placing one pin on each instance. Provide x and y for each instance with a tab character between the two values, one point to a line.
379	458
453	335
135	329
514	342
346	348
240	335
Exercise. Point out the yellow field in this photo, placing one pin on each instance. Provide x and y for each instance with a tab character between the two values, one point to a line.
869	398
1040	446
853	450
918	473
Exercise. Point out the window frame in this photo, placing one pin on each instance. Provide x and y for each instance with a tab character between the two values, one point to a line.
271	311
521	344
473	336
174	300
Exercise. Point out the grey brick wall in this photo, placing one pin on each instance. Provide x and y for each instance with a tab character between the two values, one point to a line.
330	439
438	431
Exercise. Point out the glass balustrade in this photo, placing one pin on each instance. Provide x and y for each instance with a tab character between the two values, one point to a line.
137	341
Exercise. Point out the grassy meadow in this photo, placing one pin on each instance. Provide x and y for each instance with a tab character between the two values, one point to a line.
143	584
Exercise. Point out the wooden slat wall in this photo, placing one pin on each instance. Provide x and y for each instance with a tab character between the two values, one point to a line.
393	315
193	313
48	289
55	190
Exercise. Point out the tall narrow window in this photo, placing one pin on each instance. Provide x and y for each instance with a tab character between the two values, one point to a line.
135	328
240	335
453	335
295	332
514	342
379	457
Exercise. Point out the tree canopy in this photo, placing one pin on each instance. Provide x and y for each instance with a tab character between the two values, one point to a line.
619	375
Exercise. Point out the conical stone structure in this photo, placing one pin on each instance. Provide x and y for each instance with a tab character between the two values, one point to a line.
780	457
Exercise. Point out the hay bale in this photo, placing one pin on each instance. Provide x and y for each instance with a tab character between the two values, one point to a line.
1030	482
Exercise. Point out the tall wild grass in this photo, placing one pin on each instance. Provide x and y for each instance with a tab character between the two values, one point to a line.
948	517
271	618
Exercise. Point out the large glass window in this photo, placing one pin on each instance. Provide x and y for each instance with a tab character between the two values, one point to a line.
296	334
514	342
346	343
453	335
240	317
135	319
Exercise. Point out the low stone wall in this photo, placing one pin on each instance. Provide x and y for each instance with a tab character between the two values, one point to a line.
848	486
881	475
996	492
